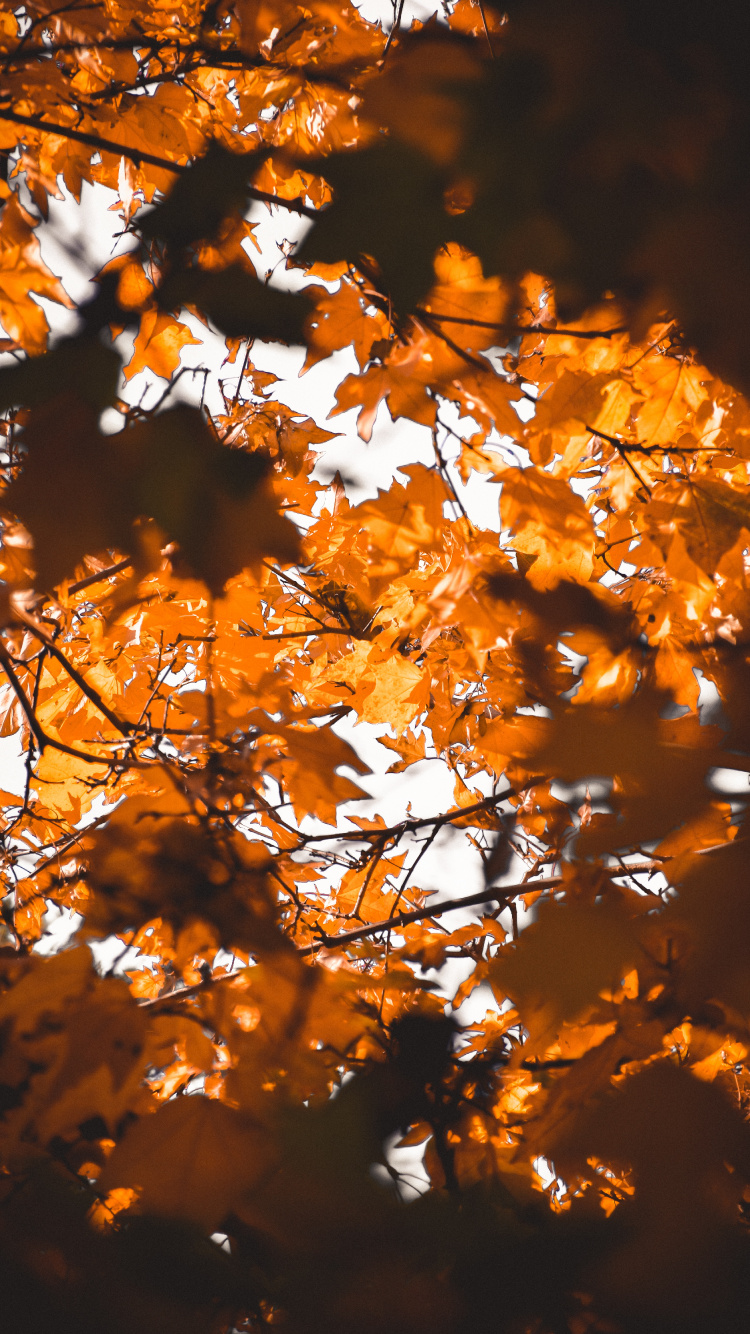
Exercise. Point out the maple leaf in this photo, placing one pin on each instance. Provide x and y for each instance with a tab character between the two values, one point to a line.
23	273
457	317
548	522
340	318
309	768
158	344
711	516
406	519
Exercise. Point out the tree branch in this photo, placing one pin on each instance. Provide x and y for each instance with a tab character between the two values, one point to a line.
520	328
124	728
499	895
410	826
99	576
138	156
40	736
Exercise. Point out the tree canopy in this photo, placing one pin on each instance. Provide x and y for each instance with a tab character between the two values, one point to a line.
531	228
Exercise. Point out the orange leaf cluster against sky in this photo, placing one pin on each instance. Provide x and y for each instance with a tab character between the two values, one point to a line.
375	923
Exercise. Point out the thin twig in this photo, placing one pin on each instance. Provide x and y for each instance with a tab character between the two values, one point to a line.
409	826
486	29
622	451
313	630
394	30
478	364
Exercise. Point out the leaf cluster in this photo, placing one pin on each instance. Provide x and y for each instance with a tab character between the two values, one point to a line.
530	230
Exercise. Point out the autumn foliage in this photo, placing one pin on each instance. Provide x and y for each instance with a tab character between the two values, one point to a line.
535	224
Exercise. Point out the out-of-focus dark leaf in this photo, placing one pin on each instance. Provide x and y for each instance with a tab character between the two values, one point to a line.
710	923
201	197
388	207
191	1159
150	862
567	605
83	364
175	1259
65	495
562	961
238	304
679	1263
82	492
660	766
